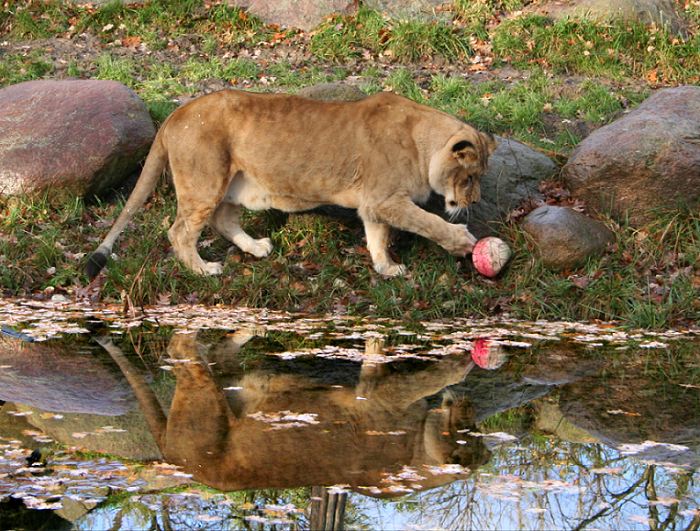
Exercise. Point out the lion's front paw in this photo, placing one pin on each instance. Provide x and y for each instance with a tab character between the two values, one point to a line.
462	241
258	248
261	248
212	268
391	270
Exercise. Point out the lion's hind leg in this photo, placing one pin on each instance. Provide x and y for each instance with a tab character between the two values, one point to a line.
197	200
226	220
183	236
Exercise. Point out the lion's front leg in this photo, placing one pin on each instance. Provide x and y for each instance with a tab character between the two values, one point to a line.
404	214
226	220
378	246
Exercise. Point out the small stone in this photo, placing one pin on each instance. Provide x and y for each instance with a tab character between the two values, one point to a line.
565	238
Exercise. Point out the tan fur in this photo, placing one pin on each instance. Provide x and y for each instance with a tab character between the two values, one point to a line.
380	155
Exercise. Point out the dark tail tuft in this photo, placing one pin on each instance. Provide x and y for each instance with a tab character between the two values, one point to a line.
95	263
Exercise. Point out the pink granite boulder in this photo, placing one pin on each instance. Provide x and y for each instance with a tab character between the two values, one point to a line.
82	137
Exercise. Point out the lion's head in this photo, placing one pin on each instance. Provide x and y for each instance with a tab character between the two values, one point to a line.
456	169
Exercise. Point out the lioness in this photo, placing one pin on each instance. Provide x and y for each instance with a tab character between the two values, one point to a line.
380	155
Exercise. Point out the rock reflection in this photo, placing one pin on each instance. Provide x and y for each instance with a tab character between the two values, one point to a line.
277	429
56	377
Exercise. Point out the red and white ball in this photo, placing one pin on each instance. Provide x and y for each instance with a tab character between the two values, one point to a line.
490	255
488	354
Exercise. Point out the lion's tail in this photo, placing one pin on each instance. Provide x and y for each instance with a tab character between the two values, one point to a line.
152	170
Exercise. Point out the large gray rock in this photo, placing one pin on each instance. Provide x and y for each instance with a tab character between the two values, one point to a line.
81	137
646	161
565	238
659	12
403	9
513	176
303	14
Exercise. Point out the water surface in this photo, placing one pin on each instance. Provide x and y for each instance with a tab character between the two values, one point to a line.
220	418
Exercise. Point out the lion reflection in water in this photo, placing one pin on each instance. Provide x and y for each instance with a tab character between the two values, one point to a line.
359	436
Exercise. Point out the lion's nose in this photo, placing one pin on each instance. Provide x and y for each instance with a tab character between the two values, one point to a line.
452	203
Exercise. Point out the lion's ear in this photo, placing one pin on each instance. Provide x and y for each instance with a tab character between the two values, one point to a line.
463	149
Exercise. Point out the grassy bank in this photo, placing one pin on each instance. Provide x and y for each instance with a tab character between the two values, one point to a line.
545	83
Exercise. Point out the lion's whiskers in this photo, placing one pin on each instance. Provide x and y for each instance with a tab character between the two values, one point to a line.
457	212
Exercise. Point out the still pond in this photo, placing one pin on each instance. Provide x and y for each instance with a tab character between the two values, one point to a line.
220	418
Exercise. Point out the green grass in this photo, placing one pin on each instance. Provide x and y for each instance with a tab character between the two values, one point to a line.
320	264
15	68
342	38
412	40
576	76
615	50
116	69
477	14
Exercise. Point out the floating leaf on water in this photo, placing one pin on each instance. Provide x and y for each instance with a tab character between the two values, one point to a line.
630	449
653	344
51	416
446	469
256	518
644	520
208	518
283	509
166	466
664	501
495	436
110	429
606	470
398	489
